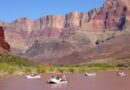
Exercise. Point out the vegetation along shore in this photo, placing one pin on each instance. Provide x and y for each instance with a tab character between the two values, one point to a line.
14	65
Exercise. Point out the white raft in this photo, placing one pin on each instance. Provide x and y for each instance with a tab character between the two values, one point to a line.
57	80
33	76
90	74
121	73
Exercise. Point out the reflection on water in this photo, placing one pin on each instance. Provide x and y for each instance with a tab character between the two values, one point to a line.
59	86
102	81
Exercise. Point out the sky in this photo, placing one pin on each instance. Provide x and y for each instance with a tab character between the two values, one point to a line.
13	9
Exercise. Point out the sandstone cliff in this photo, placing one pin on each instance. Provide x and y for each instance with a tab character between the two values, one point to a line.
100	19
112	16
3	44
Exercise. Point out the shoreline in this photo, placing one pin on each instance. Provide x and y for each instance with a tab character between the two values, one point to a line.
7	75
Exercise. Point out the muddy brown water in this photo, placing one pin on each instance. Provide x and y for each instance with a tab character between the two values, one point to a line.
102	81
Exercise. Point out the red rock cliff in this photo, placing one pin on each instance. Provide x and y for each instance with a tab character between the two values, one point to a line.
3	44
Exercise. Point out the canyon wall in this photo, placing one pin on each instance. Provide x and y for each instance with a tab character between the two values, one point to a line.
112	16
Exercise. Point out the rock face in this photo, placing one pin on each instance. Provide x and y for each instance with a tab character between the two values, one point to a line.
73	19
127	3
54	49
22	25
3	44
113	50
50	21
108	16
23	32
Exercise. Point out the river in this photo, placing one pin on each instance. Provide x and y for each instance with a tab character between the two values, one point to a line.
102	81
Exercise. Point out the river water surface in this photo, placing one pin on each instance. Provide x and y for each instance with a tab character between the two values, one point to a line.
102	81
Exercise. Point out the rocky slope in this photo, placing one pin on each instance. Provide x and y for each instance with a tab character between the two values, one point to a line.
116	49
